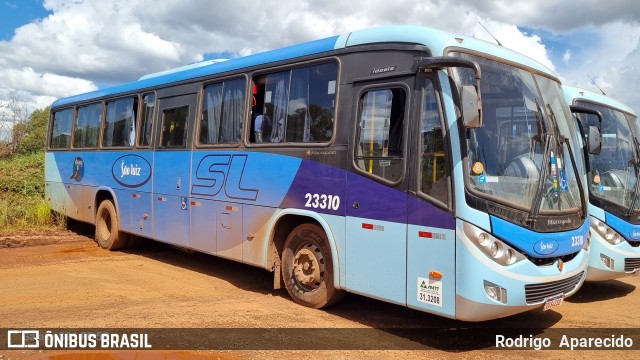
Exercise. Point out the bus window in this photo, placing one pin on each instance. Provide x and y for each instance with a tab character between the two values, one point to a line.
380	144
87	126
146	122
222	113
120	129
61	129
174	127
295	106
433	176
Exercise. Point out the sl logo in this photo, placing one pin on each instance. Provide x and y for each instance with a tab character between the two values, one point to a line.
218	172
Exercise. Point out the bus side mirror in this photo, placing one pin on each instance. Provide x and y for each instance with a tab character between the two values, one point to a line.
471	108
594	137
595	140
470	96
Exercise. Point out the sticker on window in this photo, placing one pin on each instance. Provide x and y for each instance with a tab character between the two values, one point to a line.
477	168
332	87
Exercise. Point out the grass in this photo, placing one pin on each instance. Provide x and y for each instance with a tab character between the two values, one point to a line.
22	204
25	213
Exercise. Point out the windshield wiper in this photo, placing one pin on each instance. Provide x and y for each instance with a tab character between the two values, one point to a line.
544	138
537	200
574	165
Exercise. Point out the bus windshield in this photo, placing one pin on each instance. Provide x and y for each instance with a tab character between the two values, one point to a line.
519	156
614	172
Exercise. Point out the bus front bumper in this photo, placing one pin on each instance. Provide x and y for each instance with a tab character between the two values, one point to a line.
519	287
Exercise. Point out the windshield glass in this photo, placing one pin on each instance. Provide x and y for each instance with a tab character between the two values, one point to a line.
523	115
613	173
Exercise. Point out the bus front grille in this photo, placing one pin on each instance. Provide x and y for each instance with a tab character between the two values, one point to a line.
536	293
631	264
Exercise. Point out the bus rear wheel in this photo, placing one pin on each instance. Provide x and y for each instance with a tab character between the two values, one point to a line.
307	268
108	235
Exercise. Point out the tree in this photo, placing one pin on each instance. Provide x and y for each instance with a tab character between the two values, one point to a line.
12	112
35	133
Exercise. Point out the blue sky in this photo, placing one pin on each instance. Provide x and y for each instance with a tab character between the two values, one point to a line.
16	13
56	48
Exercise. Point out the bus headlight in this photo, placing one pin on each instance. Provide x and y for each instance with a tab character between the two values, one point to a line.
587	244
509	256
483	239
607	233
494	248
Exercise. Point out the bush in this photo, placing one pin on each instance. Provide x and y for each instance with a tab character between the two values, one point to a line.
22	204
23	175
24	212
35	132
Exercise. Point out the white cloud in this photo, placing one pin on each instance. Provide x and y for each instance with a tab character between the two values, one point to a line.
610	58
88	42
27	80
511	37
557	15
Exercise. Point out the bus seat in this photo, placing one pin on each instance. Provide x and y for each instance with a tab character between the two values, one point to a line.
523	167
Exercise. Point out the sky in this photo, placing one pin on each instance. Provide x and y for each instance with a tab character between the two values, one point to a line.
56	48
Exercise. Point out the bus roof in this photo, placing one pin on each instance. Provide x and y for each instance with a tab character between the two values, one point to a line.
572	93
436	40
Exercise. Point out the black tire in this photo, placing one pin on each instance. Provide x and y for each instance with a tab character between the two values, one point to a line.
307	268
108	235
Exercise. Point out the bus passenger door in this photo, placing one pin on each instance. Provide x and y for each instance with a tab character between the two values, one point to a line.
376	231
431	266
172	169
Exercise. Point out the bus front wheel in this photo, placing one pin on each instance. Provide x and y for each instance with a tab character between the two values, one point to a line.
108	235
307	267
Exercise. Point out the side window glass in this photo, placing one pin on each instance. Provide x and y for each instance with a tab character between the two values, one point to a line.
174	127
380	146
223	113
433	174
87	126
295	106
61	129
146	122
120	127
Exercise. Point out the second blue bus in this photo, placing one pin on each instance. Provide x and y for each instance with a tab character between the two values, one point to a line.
612	178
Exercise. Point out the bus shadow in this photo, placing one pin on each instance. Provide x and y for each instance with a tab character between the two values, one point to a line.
409	329
80	228
601	291
385	326
243	276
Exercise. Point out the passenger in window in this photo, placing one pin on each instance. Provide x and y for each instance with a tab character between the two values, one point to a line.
204	132
262	125
258	128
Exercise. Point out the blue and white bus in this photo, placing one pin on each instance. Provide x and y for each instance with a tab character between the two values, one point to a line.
612	180
407	164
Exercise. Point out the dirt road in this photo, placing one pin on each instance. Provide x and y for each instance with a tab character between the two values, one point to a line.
64	280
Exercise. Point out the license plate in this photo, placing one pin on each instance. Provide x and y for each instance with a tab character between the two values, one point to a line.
553	302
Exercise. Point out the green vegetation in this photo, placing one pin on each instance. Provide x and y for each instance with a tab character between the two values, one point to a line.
22	203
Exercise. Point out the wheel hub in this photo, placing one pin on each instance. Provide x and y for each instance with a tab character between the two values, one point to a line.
307	267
